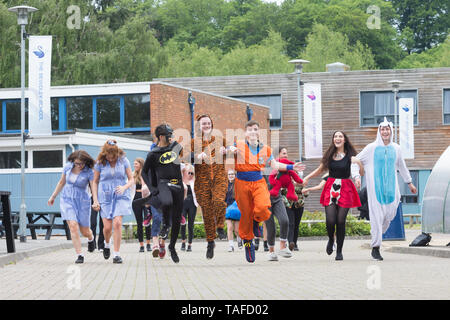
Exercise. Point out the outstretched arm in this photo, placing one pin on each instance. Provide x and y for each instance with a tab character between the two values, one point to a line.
313	174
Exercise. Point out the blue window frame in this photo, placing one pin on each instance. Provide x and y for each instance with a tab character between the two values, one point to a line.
115	113
375	105
446	106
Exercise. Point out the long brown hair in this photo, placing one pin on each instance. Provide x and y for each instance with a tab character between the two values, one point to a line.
137	173
110	148
83	156
328	156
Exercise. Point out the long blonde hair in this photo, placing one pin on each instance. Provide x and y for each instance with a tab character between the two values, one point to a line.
137	174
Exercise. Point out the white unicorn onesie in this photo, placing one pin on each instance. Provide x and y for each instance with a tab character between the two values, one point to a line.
382	159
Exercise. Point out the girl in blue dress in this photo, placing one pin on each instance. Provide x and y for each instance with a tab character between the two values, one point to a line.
111	193
75	201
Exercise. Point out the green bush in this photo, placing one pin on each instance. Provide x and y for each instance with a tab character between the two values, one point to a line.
354	227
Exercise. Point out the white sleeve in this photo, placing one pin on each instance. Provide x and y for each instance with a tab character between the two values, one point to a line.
355	170
364	155
401	166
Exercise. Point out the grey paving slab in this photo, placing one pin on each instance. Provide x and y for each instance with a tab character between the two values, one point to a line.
309	274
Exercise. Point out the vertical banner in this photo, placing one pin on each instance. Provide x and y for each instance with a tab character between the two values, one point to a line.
39	66
312	110
406	127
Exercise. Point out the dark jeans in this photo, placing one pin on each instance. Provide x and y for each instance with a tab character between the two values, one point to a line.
140	211
101	237
189	212
295	216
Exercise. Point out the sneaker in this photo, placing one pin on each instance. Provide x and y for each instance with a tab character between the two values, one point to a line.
257	229
296	248
231	249
164	232
141	249
240	243
256	244
183	246
221	233
291	246
101	247
155	251
339	256
147	220
376	254
266	247
272	256
117	259
330	247
249	250
162	251
183	221
149	247
174	255
210	250
80	259
189	249
285	253
91	246
106	253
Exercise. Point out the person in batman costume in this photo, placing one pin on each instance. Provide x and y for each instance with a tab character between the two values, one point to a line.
162	175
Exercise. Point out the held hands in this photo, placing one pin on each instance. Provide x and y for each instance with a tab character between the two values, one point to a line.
358	183
202	156
96	206
223	150
298	166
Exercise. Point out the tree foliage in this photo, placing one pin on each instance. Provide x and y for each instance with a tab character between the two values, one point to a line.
129	40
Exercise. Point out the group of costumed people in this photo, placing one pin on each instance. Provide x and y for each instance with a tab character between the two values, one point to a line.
165	176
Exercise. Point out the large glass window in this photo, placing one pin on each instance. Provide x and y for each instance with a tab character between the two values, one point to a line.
11	159
407	196
12	112
273	101
48	159
446	106
107	112
79	112
137	111
376	105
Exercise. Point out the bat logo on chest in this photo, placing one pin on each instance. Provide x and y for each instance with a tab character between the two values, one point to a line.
167	157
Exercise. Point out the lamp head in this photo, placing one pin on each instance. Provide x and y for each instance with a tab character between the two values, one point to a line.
395	83
22	13
298	64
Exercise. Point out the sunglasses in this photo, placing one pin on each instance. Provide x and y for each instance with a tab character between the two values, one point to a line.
190	173
111	142
79	164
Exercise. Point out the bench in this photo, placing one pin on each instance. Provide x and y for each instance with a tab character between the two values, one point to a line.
6	220
412	217
40	220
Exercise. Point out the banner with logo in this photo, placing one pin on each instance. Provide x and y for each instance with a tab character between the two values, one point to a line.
406	127
312	111
39	66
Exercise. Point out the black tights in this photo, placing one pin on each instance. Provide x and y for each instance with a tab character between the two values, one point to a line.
336	216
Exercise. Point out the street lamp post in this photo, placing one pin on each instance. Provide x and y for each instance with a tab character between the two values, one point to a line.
22	20
298	70
395	85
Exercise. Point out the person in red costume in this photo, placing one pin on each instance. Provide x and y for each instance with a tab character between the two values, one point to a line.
279	179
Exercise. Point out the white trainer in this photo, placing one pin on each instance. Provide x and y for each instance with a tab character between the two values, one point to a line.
230	248
285	253
272	256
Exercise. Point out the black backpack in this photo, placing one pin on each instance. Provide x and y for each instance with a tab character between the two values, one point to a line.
421	240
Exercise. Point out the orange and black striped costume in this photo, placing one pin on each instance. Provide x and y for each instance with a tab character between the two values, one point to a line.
210	184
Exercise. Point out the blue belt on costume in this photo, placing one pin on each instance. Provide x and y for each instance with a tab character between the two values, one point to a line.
249	175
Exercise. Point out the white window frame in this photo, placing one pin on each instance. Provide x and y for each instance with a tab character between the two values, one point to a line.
30	168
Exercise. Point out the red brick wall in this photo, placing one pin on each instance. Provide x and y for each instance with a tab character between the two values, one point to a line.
170	104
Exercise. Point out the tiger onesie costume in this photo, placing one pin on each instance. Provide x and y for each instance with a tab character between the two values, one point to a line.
211	182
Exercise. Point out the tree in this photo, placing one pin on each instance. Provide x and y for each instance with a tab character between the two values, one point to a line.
428	20
325	46
436	57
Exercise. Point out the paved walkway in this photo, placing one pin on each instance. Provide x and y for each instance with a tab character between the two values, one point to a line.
309	274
